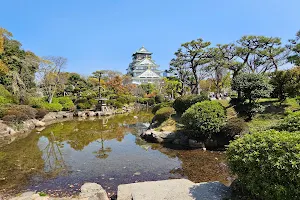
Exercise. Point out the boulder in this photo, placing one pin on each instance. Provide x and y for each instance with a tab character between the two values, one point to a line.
6	130
28	124
91	113
159	136
60	115
38	123
196	144
49	117
81	114
93	191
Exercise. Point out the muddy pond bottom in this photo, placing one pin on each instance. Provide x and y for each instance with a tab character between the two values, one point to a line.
108	151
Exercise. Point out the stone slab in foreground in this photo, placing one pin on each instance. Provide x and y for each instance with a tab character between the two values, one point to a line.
174	189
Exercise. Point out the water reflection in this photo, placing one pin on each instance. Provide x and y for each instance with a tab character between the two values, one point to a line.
104	150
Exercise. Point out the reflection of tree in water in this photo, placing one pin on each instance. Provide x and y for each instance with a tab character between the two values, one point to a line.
18	161
102	153
79	134
53	157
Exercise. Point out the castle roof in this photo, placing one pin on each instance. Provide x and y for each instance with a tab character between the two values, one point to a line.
142	50
146	61
148	74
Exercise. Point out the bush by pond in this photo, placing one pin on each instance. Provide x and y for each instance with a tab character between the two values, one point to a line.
66	102
205	117
291	122
52	107
267	164
18	113
233	127
161	105
163	114
181	104
5	96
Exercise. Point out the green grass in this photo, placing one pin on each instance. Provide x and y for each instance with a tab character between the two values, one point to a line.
42	194
273	114
230	111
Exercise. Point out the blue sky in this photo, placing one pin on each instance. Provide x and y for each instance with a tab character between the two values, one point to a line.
102	34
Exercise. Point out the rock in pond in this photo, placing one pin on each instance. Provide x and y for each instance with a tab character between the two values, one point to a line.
158	136
93	191
81	114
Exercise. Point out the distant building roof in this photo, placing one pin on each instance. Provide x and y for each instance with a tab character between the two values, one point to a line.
146	61
149	74
143	50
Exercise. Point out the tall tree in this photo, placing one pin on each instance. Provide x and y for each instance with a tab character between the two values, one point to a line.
294	46
49	75
196	56
260	54
179	69
218	67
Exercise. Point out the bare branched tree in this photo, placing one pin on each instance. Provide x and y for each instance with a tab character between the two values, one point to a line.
49	75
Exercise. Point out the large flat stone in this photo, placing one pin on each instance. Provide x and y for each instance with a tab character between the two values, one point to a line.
175	189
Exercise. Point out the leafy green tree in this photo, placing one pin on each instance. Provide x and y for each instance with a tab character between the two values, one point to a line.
179	69
218	69
172	87
253	87
148	87
260	54
294	46
286	83
193	56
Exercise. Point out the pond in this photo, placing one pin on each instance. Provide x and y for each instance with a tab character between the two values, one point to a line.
106	150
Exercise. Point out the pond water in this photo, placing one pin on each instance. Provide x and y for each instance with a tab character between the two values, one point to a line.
107	150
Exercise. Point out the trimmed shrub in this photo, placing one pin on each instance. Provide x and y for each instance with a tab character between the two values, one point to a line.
161	105
4	100
36	102
118	104
205	117
41	112
181	104
19	113
83	104
298	99
163	114
291	122
267	164
5	96
52	107
159	98
66	102
234	126
150	101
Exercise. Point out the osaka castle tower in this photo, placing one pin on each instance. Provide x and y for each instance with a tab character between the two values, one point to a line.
143	69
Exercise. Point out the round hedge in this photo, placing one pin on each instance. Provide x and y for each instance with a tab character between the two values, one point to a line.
206	117
161	105
163	114
267	164
181	104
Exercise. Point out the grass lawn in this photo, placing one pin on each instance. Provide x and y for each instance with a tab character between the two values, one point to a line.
271	117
